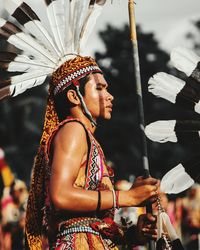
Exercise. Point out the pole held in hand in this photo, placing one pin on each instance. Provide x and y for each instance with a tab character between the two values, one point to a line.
136	63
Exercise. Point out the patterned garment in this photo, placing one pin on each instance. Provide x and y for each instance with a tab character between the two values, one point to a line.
75	232
83	241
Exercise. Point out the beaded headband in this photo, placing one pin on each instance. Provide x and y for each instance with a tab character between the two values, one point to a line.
73	70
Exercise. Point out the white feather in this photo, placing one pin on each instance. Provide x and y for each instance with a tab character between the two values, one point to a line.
29	76
176	181
161	131
89	25
197	107
28	80
68	31
35	27
42	35
11	5
27	84
165	86
57	20
27	44
168	226
23	63
37	47
2	22
184	60
79	9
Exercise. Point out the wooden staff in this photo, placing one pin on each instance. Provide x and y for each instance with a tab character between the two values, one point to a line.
135	55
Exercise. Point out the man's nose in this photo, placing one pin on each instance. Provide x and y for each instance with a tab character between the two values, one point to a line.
110	97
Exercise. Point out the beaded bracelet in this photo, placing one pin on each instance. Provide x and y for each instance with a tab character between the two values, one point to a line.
114	198
117	198
99	201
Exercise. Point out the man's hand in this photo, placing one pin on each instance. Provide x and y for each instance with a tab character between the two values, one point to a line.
144	191
146	228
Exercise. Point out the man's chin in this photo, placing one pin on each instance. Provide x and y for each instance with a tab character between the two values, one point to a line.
105	118
108	117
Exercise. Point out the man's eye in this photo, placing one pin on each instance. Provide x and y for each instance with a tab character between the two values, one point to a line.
99	88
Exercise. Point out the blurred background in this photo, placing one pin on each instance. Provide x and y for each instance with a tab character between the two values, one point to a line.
161	25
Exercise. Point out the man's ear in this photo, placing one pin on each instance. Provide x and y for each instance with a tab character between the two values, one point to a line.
73	97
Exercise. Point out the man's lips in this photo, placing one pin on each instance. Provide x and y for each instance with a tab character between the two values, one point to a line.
109	107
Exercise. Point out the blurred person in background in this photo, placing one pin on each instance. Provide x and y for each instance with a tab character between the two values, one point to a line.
6	175
6	179
191	218
13	215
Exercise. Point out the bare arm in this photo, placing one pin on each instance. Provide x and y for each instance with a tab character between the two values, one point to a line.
69	152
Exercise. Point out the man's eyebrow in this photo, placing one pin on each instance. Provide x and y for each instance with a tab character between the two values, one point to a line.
102	84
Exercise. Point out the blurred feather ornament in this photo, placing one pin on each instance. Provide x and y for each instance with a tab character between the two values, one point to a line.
184	60
176	181
185	93
173	182
170	130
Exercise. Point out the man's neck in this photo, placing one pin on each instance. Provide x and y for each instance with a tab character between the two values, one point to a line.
82	118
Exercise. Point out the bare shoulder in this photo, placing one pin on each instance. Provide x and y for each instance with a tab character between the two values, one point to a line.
71	134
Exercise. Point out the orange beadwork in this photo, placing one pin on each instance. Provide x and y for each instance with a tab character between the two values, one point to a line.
72	70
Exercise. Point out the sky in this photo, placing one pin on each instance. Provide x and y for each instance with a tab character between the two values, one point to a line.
167	19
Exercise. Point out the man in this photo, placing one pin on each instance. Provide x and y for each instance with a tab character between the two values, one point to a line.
71	197
79	197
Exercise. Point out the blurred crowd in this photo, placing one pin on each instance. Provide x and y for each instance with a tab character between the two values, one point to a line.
184	212
13	197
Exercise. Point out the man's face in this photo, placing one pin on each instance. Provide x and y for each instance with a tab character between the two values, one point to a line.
97	98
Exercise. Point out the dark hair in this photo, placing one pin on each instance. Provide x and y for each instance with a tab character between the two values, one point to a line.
62	103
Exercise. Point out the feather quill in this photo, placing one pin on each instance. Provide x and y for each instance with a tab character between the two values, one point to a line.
17	84
21	87
23	13
94	12
79	8
20	63
57	20
23	41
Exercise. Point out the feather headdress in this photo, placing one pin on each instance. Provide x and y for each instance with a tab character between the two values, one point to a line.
57	49
42	49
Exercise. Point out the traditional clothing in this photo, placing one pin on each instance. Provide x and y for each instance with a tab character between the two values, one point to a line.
74	231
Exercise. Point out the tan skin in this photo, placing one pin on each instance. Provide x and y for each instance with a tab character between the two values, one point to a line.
68	157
